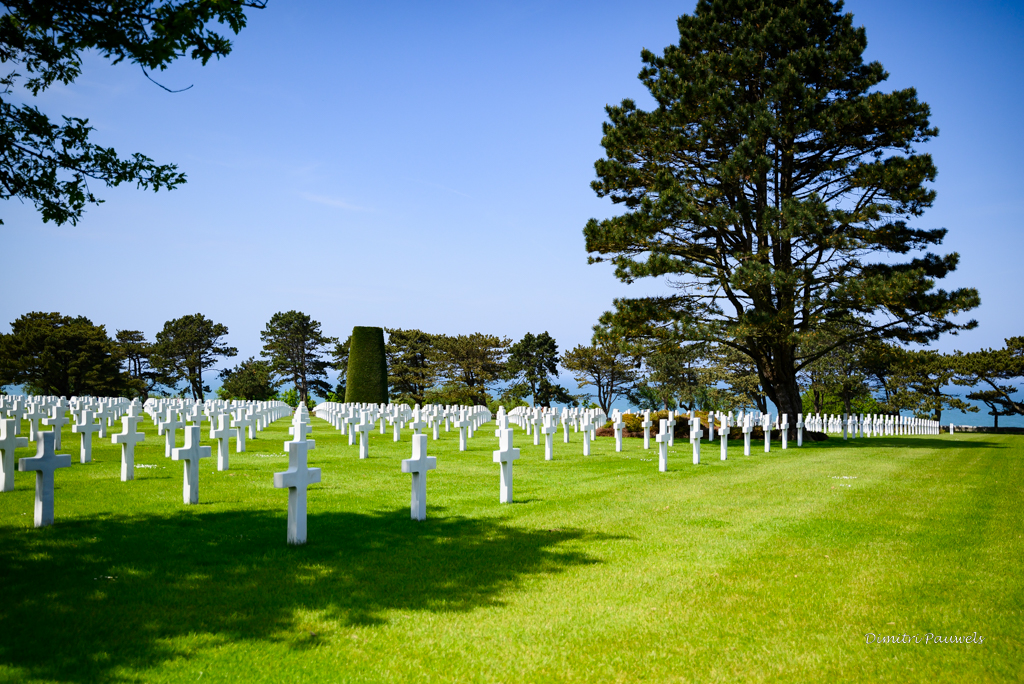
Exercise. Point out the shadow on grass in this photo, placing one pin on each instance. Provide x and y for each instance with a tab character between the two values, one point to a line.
86	597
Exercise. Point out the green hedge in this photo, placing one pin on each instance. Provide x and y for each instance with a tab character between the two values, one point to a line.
367	367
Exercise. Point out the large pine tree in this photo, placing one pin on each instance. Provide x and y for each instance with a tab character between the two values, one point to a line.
772	185
295	346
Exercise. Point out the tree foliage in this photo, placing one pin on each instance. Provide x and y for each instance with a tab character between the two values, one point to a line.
772	186
294	346
604	366
532	361
470	365
51	163
339	362
367	366
918	380
412	367
997	404
186	347
253	380
134	351
52	354
995	369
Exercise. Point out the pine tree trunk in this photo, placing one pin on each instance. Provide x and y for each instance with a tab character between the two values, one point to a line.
777	369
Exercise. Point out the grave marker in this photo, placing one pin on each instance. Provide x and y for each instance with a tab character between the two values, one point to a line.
128	439
58	420
86	428
505	456
695	434
9	441
418	466
296	479
723	435
190	454
364	427
44	463
549	437
662	440
222	434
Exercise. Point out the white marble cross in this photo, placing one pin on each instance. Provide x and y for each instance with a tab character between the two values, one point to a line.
549	437
103	415
364	427
44	463
784	429
766	425
33	415
462	423
505	456
618	426
222	433
418	423
695	436
418	466
723	434
586	427
296	479
299	432
167	428
662	440
671	427
799	429
396	426
191	453
128	439
86	428
9	441
747	430
58	420
647	429
198	418
241	422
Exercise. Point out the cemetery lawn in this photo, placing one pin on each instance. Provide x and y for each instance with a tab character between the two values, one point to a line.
762	568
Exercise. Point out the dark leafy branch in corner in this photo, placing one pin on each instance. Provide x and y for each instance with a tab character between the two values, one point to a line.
49	164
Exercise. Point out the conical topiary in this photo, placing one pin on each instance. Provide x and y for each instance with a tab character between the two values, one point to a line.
367	368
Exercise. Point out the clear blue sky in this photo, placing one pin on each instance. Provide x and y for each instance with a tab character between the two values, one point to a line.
427	165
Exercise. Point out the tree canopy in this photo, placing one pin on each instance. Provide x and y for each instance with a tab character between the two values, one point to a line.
772	187
186	347
252	379
603	365
294	346
995	369
52	354
412	365
50	163
339	362
134	351
469	365
532	361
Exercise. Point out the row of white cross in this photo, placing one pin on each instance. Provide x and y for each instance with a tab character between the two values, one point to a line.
361	418
104	410
171	415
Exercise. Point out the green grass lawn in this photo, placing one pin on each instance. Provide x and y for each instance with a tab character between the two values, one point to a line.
761	568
